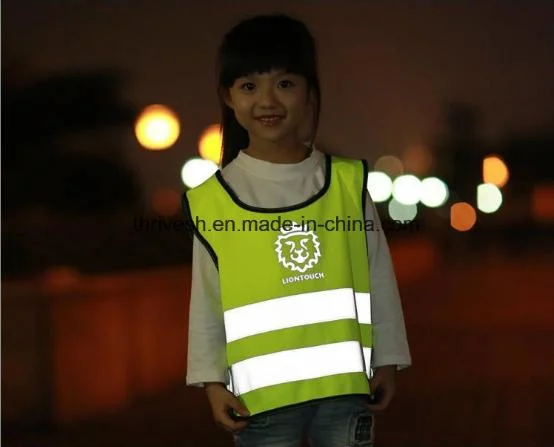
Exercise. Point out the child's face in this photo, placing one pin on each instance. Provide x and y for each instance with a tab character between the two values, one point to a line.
270	106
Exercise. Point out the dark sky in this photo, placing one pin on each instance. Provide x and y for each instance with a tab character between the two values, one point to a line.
386	67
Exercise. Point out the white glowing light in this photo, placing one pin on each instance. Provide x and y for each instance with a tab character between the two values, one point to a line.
379	186
434	192
196	171
402	212
406	189
489	198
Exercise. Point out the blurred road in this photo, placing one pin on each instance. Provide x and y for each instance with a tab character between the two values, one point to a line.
482	340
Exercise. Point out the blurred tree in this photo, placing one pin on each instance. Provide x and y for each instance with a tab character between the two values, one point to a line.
530	157
460	149
41	168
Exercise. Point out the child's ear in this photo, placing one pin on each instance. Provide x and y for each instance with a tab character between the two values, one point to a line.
227	99
312	97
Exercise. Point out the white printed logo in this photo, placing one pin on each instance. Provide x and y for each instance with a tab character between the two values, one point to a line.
297	249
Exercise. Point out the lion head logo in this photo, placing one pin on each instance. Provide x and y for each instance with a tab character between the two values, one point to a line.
297	249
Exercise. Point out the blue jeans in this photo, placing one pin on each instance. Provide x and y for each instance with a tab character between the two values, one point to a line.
343	421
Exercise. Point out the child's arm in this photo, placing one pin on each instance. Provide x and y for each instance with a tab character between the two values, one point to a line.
389	331
206	364
391	351
206	337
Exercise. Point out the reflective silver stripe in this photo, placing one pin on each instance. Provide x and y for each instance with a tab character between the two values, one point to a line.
367	361
296	364
296	310
363	305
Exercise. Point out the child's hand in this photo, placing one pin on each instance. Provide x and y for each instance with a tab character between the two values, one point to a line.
383	380
222	402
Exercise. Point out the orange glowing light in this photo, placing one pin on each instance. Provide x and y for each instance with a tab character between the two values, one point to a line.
495	171
157	127
166	202
417	159
462	216
210	143
60	278
542	202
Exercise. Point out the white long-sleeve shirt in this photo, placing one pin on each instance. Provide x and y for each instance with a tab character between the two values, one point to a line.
271	185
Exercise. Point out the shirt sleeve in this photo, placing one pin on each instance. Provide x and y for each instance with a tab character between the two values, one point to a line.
206	360
389	331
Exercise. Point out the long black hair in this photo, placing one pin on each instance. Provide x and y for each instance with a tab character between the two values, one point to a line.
258	45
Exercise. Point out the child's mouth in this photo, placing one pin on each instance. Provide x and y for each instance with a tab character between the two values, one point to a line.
270	120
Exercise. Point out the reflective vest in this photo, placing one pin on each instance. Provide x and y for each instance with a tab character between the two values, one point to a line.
295	288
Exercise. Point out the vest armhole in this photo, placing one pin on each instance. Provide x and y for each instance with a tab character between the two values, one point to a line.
193	230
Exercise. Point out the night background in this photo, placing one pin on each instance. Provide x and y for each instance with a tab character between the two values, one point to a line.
95	306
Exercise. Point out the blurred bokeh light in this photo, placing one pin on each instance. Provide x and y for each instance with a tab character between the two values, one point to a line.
166	202
402	212
406	189
489	197
157	127
462	216
59	278
495	171
417	159
434	192
379	186
196	171
210	144
389	164
542	202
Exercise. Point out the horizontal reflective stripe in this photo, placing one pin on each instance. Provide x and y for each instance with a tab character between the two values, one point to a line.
296	364
363	305
295	310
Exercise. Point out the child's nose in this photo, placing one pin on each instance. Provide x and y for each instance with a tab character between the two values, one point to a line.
267	97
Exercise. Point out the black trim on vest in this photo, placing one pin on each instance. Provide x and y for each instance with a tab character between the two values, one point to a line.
362	396
256	209
193	231
365	193
364	184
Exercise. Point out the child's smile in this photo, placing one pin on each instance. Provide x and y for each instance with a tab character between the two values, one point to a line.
270	106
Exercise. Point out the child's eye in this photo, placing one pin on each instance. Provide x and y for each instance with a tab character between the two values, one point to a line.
286	83
247	86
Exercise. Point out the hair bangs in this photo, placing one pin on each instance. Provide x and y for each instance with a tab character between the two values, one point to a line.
262	46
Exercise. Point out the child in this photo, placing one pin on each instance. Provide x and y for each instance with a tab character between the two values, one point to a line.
295	319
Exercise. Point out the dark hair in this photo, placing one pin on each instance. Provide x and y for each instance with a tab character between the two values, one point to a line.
260	44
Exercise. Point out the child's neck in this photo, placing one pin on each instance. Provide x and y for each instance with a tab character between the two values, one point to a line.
276	153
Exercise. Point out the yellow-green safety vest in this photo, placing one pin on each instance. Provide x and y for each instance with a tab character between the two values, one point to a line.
295	288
